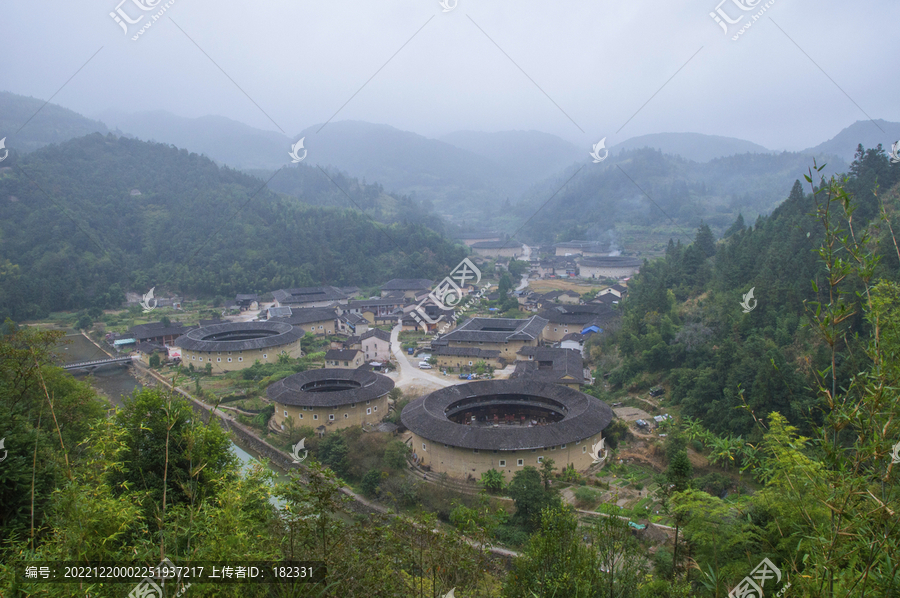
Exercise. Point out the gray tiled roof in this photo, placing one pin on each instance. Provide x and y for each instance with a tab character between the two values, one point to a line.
508	244
288	391
386	301
496	330
551	365
579	314
466	352
239	336
302	295
155	329
612	262
377	333
305	315
584	416
574	336
279	312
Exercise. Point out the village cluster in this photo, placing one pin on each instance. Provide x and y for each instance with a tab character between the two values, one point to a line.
534	409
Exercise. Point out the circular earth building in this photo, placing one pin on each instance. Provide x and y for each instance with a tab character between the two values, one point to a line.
335	397
467	429
238	345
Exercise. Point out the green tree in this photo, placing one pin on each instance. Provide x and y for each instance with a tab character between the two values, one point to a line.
370	481
154	360
530	497
171	456
556	562
396	454
334	453
547	467
619	555
492	480
84	322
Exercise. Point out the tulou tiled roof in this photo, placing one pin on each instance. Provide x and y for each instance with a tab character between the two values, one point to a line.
306	315
156	329
584	415
303	295
612	262
466	352
295	390
496	330
239	336
579	314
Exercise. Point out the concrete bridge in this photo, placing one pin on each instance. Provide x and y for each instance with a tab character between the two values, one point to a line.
91	365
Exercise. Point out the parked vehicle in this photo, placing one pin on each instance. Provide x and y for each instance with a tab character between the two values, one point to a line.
464	376
410	351
424	365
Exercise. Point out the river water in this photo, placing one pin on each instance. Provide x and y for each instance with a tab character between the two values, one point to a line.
116	381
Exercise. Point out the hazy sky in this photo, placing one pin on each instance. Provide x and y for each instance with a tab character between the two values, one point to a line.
598	61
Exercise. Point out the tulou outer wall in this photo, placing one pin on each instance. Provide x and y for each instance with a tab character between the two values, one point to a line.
461	463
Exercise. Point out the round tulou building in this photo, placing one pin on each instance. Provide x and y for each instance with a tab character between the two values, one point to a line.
237	345
467	429
333	397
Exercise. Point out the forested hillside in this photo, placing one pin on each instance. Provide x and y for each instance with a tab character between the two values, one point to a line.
72	235
40	123
601	195
311	185
684	324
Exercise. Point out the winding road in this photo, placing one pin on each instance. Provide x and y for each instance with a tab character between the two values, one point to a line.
409	374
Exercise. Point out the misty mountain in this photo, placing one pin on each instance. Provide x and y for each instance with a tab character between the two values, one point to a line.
692	146
601	197
866	132
223	140
409	163
49	123
528	155
330	188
